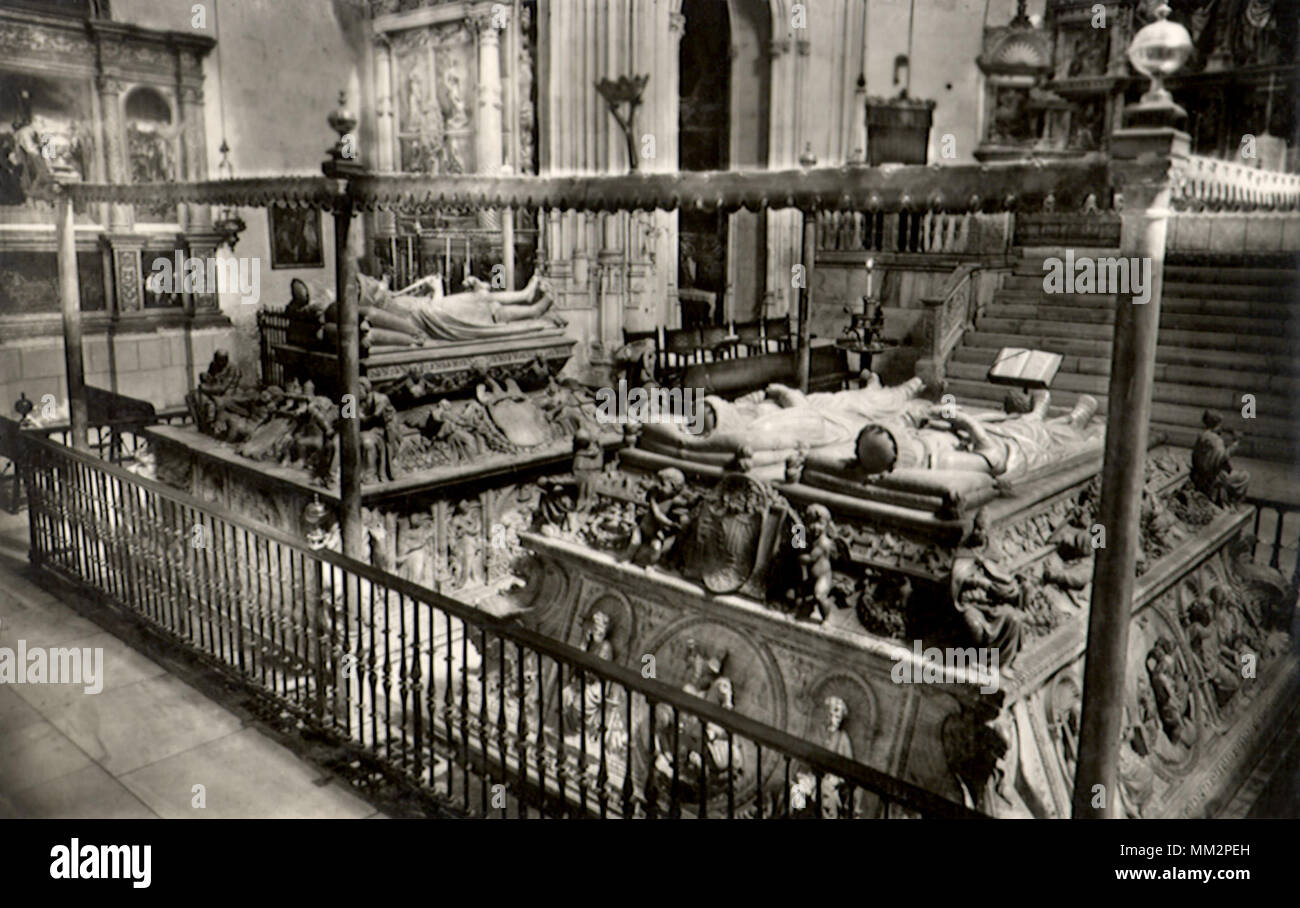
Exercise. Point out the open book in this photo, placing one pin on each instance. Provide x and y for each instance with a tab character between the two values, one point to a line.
1024	368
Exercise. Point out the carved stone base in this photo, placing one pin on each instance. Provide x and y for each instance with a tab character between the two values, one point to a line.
1008	751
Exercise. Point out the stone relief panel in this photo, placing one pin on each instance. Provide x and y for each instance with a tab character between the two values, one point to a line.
755	677
435	76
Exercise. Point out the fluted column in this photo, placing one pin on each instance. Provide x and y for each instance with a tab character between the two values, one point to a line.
385	123
110	103
784	226
487	134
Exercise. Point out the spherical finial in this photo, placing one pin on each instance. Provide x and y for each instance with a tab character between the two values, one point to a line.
314	518
342	120
1159	49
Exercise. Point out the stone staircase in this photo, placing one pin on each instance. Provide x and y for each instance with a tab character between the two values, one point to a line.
1225	331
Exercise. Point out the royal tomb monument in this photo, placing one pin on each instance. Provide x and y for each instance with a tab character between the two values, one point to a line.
909	583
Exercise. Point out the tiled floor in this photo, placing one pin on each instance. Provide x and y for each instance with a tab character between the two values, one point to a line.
144	744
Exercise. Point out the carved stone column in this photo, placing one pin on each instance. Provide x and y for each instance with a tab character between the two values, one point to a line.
784	226
194	139
385	123
202	245
110	89
487	134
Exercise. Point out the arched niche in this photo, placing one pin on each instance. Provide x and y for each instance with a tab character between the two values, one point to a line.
149	123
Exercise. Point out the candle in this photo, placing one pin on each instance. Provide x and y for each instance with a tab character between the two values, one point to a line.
446	264
870	266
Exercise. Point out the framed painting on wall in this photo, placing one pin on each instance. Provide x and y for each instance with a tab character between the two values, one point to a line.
295	236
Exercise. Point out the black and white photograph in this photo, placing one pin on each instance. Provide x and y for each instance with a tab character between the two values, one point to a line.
649	409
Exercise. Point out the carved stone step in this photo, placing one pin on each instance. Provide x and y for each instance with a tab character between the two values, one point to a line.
1225	397
1283	362
1282	432
1189	321
1189	367
1202	303
1041	330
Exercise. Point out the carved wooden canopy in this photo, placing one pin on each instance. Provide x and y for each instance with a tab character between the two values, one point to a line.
996	186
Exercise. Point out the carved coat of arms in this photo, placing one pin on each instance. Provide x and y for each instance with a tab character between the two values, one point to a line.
735	528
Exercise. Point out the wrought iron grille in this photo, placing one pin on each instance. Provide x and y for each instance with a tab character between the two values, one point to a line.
490	718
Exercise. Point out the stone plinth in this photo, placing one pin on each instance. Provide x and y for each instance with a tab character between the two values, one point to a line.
939	734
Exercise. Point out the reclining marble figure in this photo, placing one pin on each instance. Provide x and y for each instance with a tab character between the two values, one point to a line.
946	438
773	423
884	434
406	318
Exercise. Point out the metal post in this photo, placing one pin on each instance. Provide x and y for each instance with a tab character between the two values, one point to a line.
1146	189
349	378
803	362
70	302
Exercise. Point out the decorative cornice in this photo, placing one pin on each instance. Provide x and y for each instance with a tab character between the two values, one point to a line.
959	188
305	191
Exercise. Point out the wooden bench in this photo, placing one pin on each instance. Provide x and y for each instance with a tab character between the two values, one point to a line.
828	371
675	349
110	418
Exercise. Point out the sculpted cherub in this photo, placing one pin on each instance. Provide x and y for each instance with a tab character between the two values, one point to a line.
668	506
815	562
795	461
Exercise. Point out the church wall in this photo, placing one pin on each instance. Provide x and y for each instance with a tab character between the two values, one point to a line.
946	40
283	63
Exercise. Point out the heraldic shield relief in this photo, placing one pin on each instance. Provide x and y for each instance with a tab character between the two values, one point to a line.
734	532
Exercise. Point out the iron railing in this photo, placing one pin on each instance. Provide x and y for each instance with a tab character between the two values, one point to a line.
1279	520
489	718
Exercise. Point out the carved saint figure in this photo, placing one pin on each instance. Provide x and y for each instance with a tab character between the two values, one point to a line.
381	433
218	405
835	800
1172	691
1212	472
583	702
1136	777
415	536
588	461
1217	659
987	598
